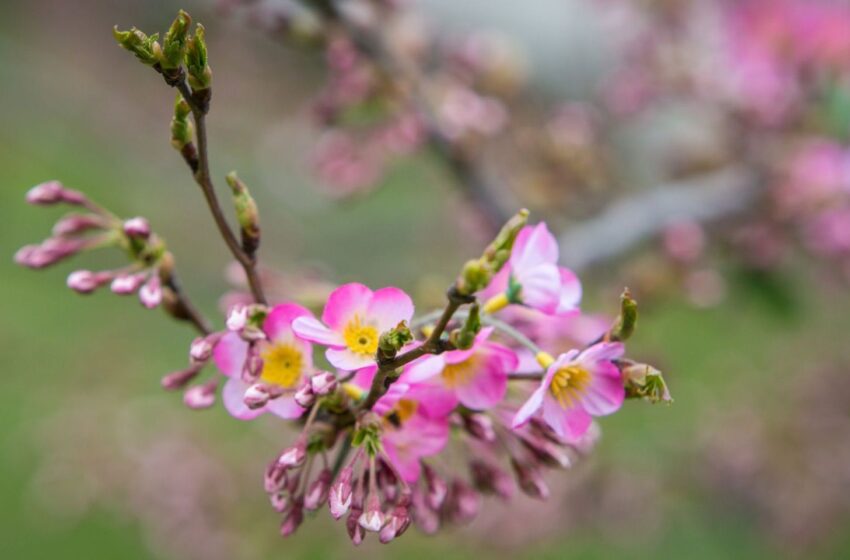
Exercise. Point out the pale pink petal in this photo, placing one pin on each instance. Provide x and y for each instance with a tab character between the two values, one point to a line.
424	369
278	323
406	464
229	355
531	406
606	393
285	407
498	285
570	424
435	400
534	246
488	386
388	307
570	291
233	397
344	303
308	328
389	399
602	351
540	287
345	359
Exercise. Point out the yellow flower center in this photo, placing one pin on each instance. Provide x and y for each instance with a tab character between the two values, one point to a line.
360	338
568	384
282	365
460	373
401	412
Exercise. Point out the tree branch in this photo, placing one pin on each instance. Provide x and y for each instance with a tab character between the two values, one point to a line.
634	219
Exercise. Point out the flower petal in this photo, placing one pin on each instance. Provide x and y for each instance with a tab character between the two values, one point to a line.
285	407
388	307
570	295
278	323
534	246
541	287
345	359
233	397
602	351
532	405
229	355
424	369
308	328
570	423
606	393
344	303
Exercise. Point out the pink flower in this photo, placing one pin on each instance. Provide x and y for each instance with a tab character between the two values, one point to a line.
477	378
533	278
411	433
352	321
576	387
287	360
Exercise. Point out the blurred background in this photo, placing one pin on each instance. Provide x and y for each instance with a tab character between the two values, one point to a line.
580	105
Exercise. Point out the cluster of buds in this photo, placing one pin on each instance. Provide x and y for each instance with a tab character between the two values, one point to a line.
150	262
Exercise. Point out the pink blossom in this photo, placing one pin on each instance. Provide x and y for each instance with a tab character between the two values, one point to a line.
576	387
286	362
410	434
477	378
533	278
352	321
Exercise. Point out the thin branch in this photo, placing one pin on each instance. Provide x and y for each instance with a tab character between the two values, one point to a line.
182	307
204	179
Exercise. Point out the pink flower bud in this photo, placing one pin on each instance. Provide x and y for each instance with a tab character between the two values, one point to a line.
237	318
480	426
398	521
292	519
45	193
259	394
355	532
317	493
202	348
323	383
179	379
275	477
339	499
279	502
126	284
51	251
491	479
436	487
304	395
77	223
151	293
201	396
137	227
253	366
372	518
530	480
293	456
86	281
465	502
387	482
547	452
425	518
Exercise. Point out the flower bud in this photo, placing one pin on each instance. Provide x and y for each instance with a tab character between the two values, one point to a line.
530	481
139	44
86	281
182	130
355	532
150	294
202	348
317	493
464	503
201	396
181	378
174	43
293	456
627	320
548	452
292	518
275	477
398	521
339	499
246	213
237	318
279	501
427	519
304	396
46	193
137	227
479	426
643	381
323	383
256	396
197	65
490	479
253	366
77	223
372	518
436	487
126	284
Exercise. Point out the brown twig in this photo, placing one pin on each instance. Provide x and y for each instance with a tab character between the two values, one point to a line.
199	104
